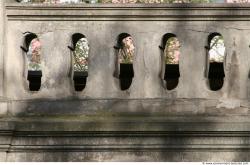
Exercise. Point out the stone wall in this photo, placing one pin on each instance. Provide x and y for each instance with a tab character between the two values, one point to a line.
146	122
2	17
101	27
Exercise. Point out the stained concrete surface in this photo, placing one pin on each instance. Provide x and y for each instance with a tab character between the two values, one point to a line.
146	122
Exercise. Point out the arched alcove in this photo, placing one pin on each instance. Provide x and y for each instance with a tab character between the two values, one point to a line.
80	53
171	51
126	53
216	58
32	48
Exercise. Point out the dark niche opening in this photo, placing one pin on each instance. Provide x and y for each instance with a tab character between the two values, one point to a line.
170	47
32	48
125	49
126	75
34	78
80	80
80	61
216	58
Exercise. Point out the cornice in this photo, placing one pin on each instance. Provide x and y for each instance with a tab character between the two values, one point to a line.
128	12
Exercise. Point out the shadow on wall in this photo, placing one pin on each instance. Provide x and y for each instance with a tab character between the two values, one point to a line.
78	130
145	138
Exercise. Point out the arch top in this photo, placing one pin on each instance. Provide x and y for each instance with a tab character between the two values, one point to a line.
212	35
120	39
28	37
171	48
165	38
33	47
216	47
126	48
76	37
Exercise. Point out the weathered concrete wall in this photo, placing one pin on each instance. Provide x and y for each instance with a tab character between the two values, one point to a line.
3	100
146	122
103	26
2	29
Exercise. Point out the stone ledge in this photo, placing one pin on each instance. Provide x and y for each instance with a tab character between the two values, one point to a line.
41	135
128	107
175	141
179	6
125	141
124	12
142	125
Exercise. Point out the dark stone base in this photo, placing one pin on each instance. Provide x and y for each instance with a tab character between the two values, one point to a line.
124	130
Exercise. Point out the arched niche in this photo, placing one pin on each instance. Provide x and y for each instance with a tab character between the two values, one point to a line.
171	52
32	49
80	54
125	52
216	57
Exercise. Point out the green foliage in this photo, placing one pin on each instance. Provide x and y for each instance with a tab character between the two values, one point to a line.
217	49
172	51
80	55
